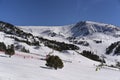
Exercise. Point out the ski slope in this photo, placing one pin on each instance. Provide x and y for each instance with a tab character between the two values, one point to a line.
81	68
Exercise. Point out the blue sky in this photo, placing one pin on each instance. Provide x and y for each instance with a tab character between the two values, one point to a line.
59	12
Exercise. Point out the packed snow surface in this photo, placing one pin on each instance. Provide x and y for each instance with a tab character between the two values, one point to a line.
19	68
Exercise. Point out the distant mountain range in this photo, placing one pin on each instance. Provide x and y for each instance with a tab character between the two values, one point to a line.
85	35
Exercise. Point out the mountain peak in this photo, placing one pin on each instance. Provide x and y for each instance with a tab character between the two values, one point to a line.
85	28
96	23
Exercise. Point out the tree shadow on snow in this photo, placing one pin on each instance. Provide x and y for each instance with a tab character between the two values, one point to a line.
3	56
44	67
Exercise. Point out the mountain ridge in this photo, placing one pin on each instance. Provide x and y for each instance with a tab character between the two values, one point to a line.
84	35
82	28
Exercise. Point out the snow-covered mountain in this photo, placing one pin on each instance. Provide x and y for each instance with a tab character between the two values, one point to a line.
77	45
88	28
84	35
79	29
88	35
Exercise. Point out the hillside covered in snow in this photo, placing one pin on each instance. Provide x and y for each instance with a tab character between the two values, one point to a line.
83	47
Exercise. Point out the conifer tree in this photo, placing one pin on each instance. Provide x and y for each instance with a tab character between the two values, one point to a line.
55	62
10	50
